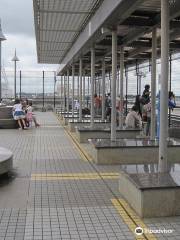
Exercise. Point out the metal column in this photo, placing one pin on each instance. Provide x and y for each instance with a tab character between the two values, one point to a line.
170	84
164	86
103	89
54	90
78	88
118	83
109	82
0	75
80	92
126	76
73	70
64	93
137	71
15	66
153	84
68	90
20	84
61	98
88	85
92	84
121	119
43	89
113	86
84	90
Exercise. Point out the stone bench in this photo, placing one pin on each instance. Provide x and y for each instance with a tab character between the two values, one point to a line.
151	194
174	132
8	124
5	112
85	133
72	125
66	118
6	160
131	151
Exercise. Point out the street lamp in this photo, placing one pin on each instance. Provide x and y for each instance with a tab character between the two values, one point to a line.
15	59
2	38
139	75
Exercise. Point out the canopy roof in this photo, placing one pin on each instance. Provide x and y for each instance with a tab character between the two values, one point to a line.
58	23
64	33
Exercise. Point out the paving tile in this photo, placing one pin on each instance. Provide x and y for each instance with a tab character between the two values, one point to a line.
60	209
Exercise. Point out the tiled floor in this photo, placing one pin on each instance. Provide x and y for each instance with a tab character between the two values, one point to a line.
60	205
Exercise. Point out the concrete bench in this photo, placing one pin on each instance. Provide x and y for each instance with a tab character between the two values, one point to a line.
72	125
66	119
5	112
174	132
131	151
8	123
6	160
85	133
151	194
6	118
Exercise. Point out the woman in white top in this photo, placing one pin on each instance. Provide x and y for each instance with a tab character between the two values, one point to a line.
133	119
18	114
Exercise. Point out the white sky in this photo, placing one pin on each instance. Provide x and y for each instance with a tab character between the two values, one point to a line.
18	27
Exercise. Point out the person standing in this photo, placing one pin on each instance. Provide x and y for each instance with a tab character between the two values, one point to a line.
146	94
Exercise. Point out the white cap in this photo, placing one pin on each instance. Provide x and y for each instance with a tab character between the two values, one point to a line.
15	58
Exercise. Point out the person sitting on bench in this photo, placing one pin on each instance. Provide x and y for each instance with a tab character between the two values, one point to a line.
133	119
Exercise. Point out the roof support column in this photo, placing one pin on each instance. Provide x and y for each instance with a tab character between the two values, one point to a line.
92	84
126	77
88	85
153	84
103	89
68	90
84	78
121	119
80	92
73	70
61	93
118	82
164	86
113	86
78	88
64	93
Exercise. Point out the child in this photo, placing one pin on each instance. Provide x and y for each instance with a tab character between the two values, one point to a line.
18	114
29	115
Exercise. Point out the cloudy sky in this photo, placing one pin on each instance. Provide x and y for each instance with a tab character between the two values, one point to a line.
18	27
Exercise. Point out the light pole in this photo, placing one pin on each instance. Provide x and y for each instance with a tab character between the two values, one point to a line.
15	59
2	38
139	75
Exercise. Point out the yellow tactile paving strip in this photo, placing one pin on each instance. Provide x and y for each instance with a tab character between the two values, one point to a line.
84	155
131	218
126	212
74	176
